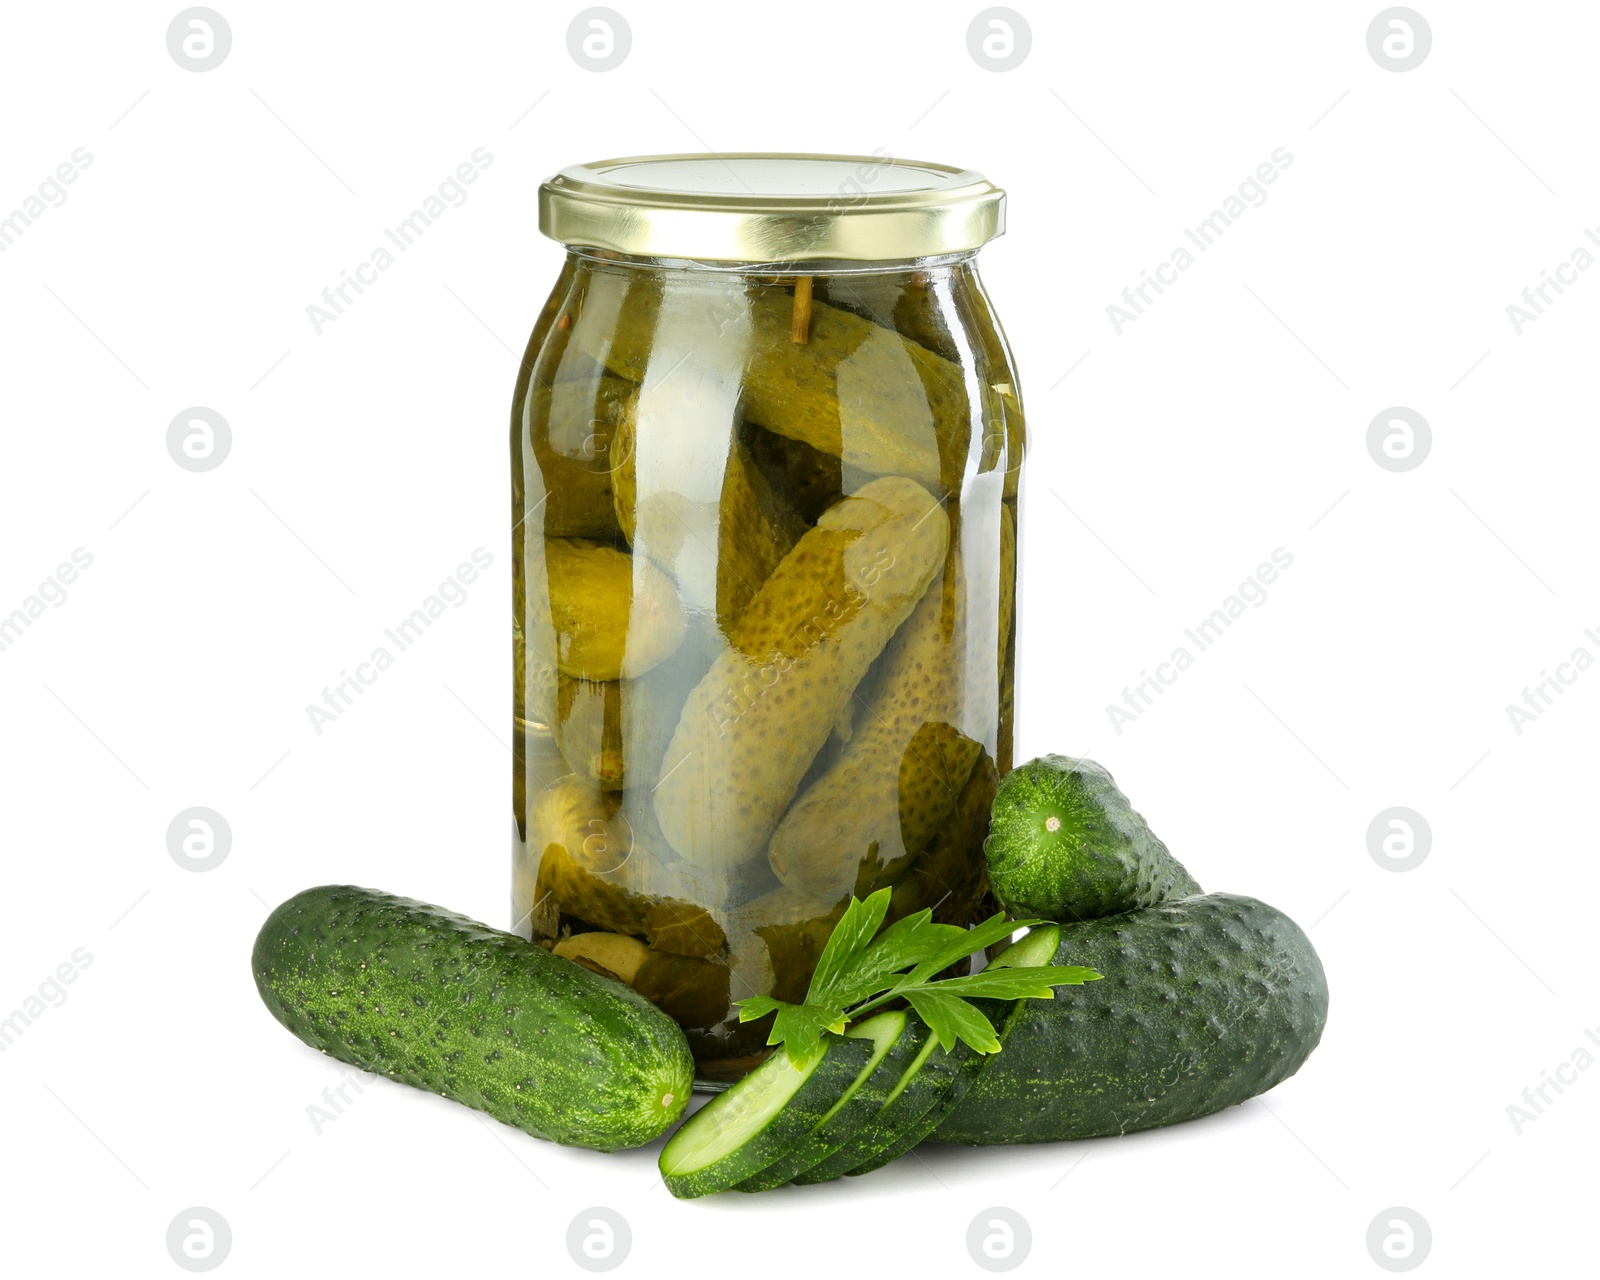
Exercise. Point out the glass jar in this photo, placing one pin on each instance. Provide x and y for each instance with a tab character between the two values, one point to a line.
766	445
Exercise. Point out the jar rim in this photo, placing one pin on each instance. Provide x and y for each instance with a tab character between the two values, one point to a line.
771	207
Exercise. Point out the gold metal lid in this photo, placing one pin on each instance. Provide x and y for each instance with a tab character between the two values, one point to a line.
767	208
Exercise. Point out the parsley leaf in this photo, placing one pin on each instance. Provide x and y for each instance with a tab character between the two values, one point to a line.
951	1018
861	968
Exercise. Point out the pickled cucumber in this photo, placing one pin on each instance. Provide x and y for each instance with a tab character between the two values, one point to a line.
949	878
584	854
595	866
813	480
753	528
895	785
587	724
795	927
751	728
755	532
1008	580
1008	647
694	992
614	732
683	929
624	478
613	955
613	614
566	888
898	300
938	311
572	427
856	390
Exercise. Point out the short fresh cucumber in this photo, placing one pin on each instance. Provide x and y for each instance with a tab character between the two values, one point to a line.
895	1041
1065	844
1206	1002
740	1132
932	1085
437	1001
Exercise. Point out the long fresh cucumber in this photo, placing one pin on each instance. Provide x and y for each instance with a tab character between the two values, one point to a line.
895	1041
933	1085
1207	1001
740	1132
443	1003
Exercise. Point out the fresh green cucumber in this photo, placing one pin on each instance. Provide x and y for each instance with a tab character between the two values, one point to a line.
1206	1002
443	1003
932	1085
895	1041
742	1131
1065	844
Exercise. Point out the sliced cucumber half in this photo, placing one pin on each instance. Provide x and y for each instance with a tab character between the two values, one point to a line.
920	1086
741	1132
933	1084
894	1043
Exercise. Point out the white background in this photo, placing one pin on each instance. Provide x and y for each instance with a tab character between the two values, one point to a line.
1166	463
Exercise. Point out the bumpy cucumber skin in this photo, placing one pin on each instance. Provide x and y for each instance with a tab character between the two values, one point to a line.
1101	860
840	1065
435	1000
1205	1002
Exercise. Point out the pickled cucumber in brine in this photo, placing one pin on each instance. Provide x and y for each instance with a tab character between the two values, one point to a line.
895	784
857	391
750	528
573	426
613	614
751	728
854	390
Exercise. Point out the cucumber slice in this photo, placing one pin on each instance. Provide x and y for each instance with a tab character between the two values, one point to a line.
933	1085
963	1067
1036	947
741	1132
895	1042
920	1086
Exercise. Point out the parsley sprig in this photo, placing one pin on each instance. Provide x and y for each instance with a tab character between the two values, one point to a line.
861	969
